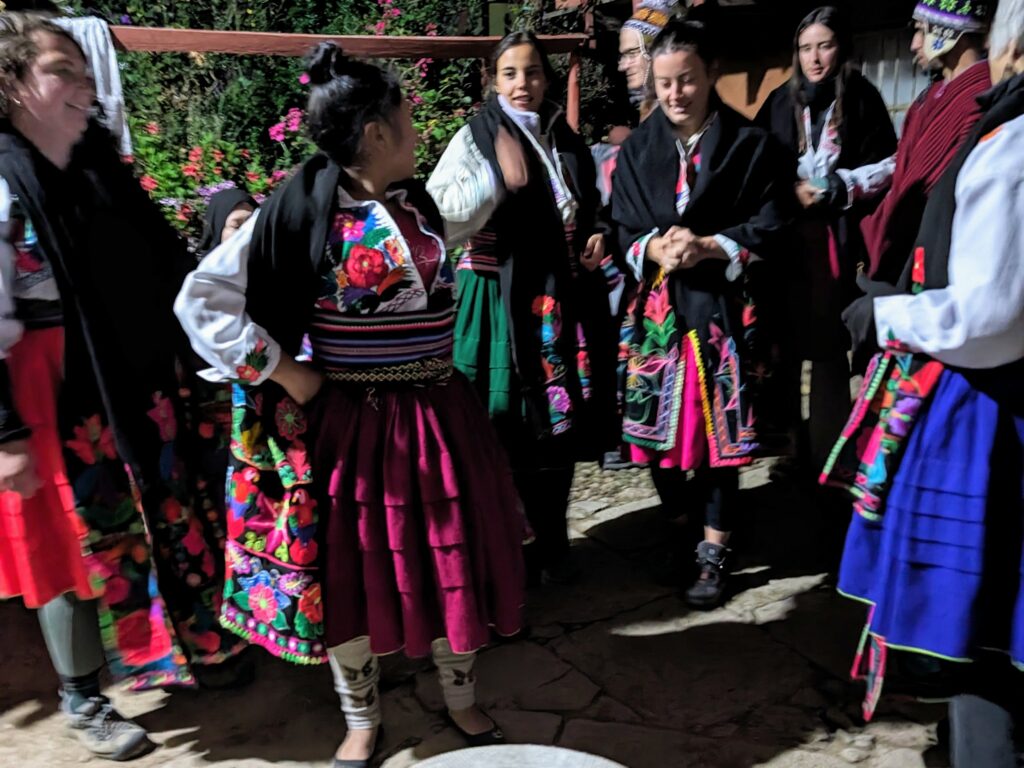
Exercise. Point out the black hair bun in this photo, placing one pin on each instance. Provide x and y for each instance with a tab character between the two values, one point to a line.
326	62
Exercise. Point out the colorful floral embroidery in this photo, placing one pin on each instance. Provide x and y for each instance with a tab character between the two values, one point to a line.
864	460
291	421
256	362
560	406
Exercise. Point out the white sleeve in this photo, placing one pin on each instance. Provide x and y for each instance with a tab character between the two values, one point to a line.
465	188
10	327
868	181
978	320
211	309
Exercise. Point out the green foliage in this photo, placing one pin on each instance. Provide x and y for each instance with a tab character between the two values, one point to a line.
217	119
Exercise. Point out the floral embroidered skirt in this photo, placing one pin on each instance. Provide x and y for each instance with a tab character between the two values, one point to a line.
41	537
691	446
942	566
422	537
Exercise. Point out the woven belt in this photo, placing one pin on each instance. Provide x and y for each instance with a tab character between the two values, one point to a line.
427	371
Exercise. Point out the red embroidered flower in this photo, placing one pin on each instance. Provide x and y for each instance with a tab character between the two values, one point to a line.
255	361
243	484
302	554
749	315
290	420
263	603
543	305
365	267
171	509
310	604
142	637
917	275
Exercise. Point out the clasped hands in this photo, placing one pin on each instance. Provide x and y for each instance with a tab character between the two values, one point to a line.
680	248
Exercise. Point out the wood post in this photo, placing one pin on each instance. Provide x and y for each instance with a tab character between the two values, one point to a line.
572	101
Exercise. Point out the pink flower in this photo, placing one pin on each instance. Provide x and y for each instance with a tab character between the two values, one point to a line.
416	99
294	119
152	129
276	132
276	176
263	603
352	229
190	170
304	78
380	27
148	183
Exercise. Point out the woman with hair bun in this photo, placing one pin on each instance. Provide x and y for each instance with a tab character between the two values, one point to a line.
372	510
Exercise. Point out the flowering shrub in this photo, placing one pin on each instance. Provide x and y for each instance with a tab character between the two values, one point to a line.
201	122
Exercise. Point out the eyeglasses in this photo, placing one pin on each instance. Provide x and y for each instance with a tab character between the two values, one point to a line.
631	55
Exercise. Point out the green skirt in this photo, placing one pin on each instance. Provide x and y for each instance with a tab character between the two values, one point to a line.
483	344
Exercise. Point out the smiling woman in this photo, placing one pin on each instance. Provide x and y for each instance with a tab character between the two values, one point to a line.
89	412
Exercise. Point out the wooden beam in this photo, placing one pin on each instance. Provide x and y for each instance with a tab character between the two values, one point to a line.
166	40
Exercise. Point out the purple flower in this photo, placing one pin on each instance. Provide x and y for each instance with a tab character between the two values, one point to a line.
126	19
559	400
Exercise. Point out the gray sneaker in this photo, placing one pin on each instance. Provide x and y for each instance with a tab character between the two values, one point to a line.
104	732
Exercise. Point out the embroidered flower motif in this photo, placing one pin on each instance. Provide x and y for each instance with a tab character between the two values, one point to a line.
917	276
93	442
262	603
255	362
310	604
290	420
351	229
394	249
559	400
543	305
365	267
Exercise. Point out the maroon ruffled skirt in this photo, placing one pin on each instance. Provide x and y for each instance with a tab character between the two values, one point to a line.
423	531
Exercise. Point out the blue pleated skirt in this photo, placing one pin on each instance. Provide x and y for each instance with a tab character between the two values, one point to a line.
942	567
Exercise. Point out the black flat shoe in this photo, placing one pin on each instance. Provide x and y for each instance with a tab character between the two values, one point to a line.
485	739
339	763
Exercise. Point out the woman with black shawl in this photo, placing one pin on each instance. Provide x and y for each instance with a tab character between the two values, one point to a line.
98	522
534	326
836	122
688	237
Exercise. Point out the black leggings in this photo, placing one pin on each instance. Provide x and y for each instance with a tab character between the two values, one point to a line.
982	720
715	490
545	497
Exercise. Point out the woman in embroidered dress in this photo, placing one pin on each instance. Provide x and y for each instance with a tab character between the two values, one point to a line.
372	510
534	329
88	402
936	441
688	239
835	121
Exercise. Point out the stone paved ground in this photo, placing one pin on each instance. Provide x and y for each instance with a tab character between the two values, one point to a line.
615	665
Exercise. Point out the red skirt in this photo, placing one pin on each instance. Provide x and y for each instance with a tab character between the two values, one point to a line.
41	537
423	536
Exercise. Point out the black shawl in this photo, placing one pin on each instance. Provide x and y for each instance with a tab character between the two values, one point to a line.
743	191
866	134
287	249
529	242
118	267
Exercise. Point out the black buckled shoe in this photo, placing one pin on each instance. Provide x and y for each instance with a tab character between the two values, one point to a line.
709	589
485	739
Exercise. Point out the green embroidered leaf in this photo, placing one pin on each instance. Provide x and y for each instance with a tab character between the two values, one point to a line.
281	622
281	553
375	237
303	626
242	600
